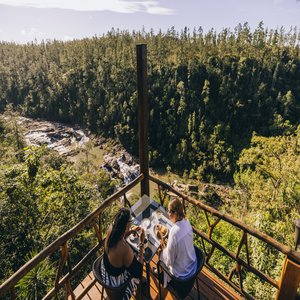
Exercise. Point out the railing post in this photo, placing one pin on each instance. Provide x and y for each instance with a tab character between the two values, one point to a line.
289	280
143	115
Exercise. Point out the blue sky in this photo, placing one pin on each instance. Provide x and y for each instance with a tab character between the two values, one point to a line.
22	21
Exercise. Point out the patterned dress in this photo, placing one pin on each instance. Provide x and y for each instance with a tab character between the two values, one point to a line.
115	277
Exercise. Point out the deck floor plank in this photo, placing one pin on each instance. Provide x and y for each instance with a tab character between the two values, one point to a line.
211	288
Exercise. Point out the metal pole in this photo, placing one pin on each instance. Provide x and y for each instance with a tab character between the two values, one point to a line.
143	115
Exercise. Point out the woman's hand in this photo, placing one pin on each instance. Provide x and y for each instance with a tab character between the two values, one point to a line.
161	247
141	245
133	231
159	235
142	235
161	240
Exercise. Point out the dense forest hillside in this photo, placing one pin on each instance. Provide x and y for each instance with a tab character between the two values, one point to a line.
207	92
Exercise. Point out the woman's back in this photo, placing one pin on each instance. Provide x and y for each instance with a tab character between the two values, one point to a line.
120	255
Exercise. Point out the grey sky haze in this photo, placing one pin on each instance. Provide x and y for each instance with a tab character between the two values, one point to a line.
22	21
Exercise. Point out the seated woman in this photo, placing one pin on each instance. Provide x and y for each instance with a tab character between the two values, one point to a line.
178	253
119	261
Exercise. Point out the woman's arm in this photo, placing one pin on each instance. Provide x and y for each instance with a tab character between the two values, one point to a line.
108	232
141	246
162	242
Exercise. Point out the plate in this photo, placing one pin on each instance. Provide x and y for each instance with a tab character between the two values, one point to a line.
158	214
133	238
145	223
165	229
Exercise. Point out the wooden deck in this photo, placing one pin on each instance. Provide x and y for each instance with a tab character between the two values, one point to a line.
210	287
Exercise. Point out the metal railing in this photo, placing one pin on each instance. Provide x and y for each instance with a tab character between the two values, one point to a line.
290	271
291	267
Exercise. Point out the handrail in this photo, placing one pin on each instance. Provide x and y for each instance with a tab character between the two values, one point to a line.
12	281
291	266
292	254
74	271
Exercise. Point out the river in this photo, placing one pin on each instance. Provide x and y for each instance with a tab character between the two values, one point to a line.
69	141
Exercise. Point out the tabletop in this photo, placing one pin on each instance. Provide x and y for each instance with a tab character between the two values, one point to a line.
148	213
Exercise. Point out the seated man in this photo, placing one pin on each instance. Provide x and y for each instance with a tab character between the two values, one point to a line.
179	253
119	261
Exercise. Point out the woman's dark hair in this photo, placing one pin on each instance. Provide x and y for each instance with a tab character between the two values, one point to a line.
118	227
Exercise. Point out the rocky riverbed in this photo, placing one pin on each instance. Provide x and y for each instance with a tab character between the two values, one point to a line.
68	142
61	138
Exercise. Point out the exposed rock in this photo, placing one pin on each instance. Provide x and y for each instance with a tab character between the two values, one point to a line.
63	139
66	141
121	166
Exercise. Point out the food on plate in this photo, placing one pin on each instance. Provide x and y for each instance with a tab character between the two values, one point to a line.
163	229
133	227
134	235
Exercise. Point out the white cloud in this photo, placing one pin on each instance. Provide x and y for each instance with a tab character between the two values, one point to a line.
32	32
154	8
122	6
67	38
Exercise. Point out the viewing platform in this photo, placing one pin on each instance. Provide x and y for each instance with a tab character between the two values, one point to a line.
213	284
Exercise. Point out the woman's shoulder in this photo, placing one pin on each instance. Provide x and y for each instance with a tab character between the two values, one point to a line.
187	224
174	229
183	224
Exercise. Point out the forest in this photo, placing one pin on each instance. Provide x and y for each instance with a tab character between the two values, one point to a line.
208	92
223	107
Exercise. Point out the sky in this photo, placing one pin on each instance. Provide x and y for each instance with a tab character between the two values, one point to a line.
23	21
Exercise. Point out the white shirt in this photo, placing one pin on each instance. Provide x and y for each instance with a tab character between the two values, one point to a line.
179	255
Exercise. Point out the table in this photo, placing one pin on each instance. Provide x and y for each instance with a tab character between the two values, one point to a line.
147	213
